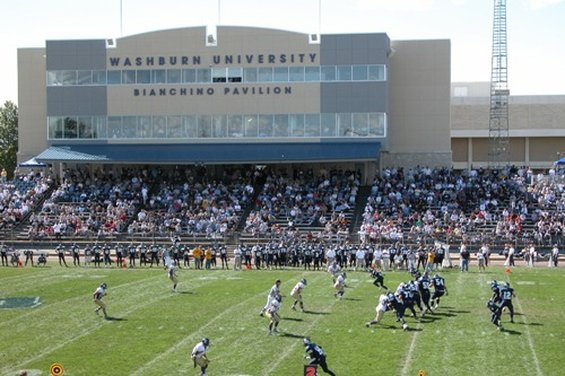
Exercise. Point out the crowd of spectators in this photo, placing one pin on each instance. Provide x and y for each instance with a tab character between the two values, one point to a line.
304	200
19	196
190	202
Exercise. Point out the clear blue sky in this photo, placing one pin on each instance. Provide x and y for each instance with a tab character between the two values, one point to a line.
536	29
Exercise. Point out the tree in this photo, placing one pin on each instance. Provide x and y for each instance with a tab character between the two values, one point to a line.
9	137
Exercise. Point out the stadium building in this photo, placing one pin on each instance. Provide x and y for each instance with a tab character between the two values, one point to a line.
238	95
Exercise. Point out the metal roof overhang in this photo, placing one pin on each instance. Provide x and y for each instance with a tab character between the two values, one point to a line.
214	153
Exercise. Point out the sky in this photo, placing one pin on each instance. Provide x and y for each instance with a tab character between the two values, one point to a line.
536	29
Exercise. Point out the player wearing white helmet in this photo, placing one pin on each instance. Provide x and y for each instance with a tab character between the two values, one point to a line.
172	273
273	315
273	293
339	285
97	296
199	357
296	294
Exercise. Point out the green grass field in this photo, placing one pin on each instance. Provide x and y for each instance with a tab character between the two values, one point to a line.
152	331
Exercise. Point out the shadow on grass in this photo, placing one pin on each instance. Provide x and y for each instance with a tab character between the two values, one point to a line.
447	314
110	318
456	311
185	292
512	332
291	319
291	335
316	313
352	299
530	323
413	329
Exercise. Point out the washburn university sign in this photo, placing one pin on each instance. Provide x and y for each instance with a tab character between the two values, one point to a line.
240	59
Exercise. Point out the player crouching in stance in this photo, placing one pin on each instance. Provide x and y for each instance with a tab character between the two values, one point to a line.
339	285
273	314
296	294
496	312
199	357
97	297
172	273
316	355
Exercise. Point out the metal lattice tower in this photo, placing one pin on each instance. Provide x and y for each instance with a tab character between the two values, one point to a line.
499	140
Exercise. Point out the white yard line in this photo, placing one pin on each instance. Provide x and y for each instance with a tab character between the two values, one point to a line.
530	340
408	361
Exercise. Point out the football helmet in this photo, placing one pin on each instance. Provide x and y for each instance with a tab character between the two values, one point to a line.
303	280
206	342
103	285
306	341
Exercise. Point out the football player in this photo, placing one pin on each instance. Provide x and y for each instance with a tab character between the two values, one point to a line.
316	355
172	273
199	357
273	315
506	295
381	308
273	293
333	269
424	287
97	296
296	294
339	285
379	278
495	313
396	303
440	289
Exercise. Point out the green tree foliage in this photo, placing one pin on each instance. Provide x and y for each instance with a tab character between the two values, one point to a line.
8	137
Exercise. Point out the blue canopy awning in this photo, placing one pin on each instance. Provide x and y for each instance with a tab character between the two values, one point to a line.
215	153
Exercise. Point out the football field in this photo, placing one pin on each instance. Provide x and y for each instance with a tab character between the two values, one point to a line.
151	331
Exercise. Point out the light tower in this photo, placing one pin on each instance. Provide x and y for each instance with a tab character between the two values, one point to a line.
499	140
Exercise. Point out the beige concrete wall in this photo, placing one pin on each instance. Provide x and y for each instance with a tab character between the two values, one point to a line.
419	121
32	103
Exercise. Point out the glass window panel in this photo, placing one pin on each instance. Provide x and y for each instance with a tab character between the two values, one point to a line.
85	128
69	78
144	76
99	125
328	123
204	126
189	75
203	75
144	128
159	127
235	126
114	77
265	126
129	126
360	124
376	72
250	74
128	77
84	77
377	124
53	78
99	77
296	74
219	75
344	73
280	128
235	74
250	122
174	76
280	74
159	76
114	127
312	125
296	125
191	126
219	126
175	127
328	73
344	124
265	74
55	127
312	73
70	129
359	73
